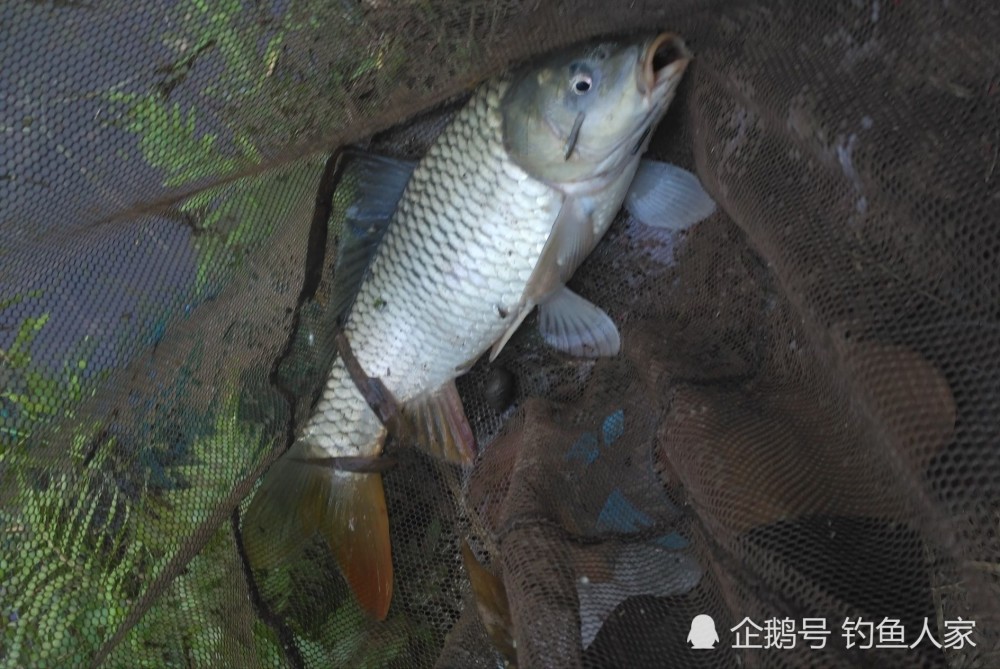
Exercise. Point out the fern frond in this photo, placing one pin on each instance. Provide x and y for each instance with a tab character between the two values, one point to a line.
67	568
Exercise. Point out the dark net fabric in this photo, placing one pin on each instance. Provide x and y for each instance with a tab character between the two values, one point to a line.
802	424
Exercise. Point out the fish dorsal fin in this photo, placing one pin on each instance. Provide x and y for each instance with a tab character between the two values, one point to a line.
571	240
373	185
299	497
575	326
437	422
667	196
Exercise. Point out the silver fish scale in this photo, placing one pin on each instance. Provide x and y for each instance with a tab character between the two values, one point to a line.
447	280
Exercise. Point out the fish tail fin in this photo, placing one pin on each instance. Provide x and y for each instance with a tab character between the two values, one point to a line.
301	496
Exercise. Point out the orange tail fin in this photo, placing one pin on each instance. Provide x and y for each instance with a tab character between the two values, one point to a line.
301	496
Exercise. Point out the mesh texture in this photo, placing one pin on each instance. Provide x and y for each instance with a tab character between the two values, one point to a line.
802	422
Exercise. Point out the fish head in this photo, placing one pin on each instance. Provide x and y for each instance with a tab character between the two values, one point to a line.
584	114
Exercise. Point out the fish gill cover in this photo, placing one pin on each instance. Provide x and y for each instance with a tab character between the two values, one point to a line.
799	432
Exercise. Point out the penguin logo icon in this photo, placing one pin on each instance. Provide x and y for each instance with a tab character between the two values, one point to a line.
703	635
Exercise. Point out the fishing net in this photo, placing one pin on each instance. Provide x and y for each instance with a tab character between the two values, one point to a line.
798	439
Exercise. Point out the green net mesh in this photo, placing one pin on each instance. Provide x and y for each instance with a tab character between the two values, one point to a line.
801	427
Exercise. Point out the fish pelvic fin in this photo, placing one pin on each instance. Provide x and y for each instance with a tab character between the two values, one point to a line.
437	422
575	326
301	496
491	604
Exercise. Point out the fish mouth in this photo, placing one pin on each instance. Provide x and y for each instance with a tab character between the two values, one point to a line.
664	60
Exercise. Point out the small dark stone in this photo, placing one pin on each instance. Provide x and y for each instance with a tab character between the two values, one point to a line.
499	391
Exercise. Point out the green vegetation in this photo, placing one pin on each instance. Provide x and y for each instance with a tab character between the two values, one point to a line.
67	567
330	628
236	118
75	553
31	395
192	147
170	141
204	619
86	529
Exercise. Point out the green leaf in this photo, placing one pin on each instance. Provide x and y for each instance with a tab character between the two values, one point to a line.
19	353
72	568
17	299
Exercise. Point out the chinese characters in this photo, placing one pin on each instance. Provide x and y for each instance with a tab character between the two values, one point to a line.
785	633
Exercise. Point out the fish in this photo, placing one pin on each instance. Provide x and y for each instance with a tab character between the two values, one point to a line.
442	260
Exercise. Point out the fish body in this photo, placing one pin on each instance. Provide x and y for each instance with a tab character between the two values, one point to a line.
448	278
491	223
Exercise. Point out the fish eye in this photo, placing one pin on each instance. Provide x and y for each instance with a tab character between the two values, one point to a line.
581	83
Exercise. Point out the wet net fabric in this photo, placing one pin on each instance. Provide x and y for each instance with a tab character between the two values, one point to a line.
801	427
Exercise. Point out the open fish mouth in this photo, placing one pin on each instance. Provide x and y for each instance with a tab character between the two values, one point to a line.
663	61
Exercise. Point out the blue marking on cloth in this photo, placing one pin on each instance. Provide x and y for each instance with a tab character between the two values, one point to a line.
585	448
673	541
618	514
621	516
614	427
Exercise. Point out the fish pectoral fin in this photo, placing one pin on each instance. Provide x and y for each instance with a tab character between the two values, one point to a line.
491	604
667	196
437	422
378	184
571	324
299	498
570	241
